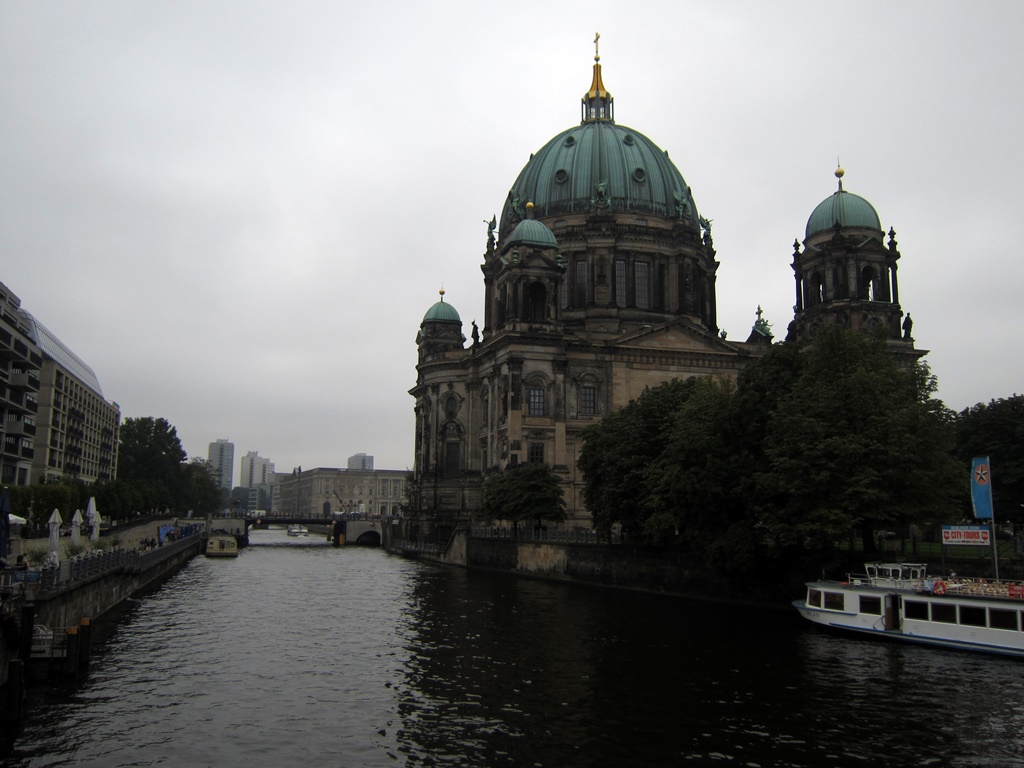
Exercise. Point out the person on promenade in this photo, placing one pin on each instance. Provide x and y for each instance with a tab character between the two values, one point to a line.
21	564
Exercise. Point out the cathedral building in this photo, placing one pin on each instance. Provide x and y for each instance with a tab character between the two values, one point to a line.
599	281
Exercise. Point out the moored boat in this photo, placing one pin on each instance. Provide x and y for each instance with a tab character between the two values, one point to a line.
899	601
222	545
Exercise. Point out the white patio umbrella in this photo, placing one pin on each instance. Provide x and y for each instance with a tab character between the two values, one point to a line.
55	523
93	516
76	528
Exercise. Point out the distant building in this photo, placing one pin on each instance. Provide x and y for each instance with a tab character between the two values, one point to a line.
256	470
258	476
222	458
57	424
360	461
324	491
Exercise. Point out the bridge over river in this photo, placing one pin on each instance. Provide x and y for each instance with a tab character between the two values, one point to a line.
343	530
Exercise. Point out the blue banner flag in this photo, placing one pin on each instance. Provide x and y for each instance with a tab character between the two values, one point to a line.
981	489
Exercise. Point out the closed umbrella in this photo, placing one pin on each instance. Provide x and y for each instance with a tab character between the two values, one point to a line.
76	528
93	515
54	523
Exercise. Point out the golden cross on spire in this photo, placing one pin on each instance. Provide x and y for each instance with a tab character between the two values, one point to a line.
597	55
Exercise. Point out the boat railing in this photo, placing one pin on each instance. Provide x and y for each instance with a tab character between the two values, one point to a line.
885	582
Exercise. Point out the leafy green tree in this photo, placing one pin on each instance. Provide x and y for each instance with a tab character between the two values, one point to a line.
528	491
858	442
694	485
617	452
996	430
198	490
150	451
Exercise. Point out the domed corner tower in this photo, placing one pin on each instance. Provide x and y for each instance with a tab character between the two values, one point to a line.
440	331
847	273
634	249
523	280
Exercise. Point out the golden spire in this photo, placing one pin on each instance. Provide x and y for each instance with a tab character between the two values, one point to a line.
839	174
597	102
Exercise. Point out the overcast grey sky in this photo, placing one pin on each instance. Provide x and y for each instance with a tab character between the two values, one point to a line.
238	212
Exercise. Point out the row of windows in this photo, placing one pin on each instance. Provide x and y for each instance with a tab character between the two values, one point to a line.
921	610
642	289
535	401
967	615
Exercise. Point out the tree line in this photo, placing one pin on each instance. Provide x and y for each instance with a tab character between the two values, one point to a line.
807	446
154	476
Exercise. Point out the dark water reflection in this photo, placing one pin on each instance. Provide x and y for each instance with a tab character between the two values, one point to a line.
305	654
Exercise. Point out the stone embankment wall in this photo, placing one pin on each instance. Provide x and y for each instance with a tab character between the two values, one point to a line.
645	568
67	603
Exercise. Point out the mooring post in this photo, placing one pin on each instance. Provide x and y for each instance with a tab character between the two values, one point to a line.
71	649
84	642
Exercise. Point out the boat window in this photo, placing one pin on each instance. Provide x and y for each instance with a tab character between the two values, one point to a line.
872	605
1001	618
814	598
944	612
915	609
834	601
972	616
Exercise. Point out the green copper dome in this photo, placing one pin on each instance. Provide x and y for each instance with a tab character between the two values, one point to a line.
634	175
599	164
848	209
443	312
532	232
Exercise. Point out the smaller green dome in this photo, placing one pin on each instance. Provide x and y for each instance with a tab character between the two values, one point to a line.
443	312
846	208
533	232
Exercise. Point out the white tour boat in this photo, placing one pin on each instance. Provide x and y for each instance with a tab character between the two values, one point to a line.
298	530
899	601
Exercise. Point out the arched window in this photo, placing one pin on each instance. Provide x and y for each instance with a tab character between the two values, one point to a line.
868	286
816	289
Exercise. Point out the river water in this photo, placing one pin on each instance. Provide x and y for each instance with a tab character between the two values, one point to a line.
297	653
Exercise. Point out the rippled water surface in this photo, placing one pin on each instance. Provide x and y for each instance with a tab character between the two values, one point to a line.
300	654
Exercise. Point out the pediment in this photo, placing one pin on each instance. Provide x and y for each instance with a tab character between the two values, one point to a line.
676	335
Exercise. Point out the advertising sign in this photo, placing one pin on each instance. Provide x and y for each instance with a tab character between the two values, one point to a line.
970	535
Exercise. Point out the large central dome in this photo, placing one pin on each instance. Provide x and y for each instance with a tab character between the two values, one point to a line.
599	164
567	174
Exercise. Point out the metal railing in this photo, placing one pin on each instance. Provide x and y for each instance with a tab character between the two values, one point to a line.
43	582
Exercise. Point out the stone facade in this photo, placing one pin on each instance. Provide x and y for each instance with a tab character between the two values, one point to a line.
325	491
601	283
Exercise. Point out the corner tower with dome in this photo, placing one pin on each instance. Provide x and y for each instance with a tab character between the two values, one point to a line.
599	281
847	274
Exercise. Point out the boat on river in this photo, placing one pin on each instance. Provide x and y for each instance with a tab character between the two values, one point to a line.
298	530
222	545
899	601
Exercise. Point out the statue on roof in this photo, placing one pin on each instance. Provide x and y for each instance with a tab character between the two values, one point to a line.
491	226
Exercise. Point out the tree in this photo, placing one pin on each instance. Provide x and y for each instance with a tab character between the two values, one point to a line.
618	450
149	450
198	491
150	457
858	442
524	492
996	430
695	485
